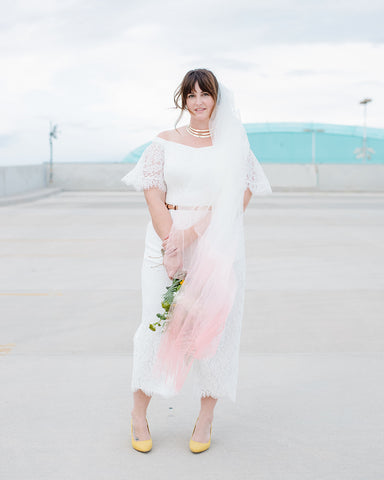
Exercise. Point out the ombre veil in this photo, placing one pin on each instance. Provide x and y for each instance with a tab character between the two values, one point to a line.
207	295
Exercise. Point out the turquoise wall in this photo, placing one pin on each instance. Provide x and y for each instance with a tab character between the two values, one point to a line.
289	143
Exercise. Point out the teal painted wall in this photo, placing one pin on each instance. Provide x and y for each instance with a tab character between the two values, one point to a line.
289	143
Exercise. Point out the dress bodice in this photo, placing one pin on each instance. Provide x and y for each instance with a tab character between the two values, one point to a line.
186	173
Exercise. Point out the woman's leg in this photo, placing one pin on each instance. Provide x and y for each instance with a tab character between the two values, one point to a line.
203	425
139	415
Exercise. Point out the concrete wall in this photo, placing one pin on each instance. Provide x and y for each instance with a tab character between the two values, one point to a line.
325	177
106	176
351	177
22	178
89	176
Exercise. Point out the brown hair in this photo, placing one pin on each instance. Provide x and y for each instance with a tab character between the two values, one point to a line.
206	81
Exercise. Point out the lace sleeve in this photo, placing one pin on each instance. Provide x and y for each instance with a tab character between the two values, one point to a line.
149	170
256	179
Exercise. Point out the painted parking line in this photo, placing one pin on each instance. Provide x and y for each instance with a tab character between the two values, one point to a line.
4	349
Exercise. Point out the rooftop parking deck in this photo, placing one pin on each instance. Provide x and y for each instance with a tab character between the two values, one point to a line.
310	396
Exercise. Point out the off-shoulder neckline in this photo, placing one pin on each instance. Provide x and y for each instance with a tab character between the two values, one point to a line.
182	144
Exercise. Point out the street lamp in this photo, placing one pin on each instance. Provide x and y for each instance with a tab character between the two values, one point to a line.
53	132
314	131
364	152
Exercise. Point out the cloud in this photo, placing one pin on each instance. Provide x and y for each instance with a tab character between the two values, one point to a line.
190	28
106	71
230	61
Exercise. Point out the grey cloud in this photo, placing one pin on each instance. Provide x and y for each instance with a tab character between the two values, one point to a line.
79	25
201	27
307	72
252	27
229	62
300	73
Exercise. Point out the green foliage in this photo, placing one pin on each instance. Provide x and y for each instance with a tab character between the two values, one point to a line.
167	302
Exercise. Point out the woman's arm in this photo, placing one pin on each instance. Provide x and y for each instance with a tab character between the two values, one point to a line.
161	218
162	223
247	198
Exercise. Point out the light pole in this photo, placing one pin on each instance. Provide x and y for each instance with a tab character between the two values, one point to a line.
53	131
313	143
364	152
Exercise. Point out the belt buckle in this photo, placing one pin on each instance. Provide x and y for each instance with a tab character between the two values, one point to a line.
171	207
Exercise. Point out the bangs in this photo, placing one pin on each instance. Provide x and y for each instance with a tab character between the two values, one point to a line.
204	81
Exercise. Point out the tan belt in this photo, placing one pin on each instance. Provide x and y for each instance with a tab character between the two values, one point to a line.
180	207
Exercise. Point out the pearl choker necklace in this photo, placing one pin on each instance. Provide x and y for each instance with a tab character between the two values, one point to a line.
198	133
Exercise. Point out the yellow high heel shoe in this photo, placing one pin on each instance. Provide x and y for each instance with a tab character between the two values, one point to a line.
141	445
198	447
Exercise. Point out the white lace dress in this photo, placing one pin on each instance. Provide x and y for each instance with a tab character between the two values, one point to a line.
168	166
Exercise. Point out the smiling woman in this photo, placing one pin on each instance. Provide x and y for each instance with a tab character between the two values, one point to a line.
200	105
197	94
197	181
202	84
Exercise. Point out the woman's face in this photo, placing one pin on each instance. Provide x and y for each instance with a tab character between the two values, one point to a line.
200	104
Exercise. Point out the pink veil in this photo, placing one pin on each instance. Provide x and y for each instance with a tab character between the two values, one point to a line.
207	295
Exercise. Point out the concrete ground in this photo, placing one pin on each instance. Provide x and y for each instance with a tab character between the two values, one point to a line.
310	401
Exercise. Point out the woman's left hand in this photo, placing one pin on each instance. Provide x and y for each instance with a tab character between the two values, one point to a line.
173	263
179	240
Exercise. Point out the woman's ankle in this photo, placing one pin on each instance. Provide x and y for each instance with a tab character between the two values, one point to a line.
206	416
138	415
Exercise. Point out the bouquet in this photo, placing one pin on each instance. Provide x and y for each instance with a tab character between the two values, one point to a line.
168	300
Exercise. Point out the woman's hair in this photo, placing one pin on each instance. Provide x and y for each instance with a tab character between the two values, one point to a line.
206	81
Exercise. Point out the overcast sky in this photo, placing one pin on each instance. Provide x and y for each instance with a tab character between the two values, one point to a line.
105	71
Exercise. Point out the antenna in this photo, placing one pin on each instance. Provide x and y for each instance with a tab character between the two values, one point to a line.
364	152
53	132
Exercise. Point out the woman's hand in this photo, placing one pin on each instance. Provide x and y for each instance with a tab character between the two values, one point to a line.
173	264
179	240
173	249
173	261
173	253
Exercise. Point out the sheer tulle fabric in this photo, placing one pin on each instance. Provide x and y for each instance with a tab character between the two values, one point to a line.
208	292
201	308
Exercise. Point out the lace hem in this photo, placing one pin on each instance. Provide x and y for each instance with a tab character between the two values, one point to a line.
256	179
149	170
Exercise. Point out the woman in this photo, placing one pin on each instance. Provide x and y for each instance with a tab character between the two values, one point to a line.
197	181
